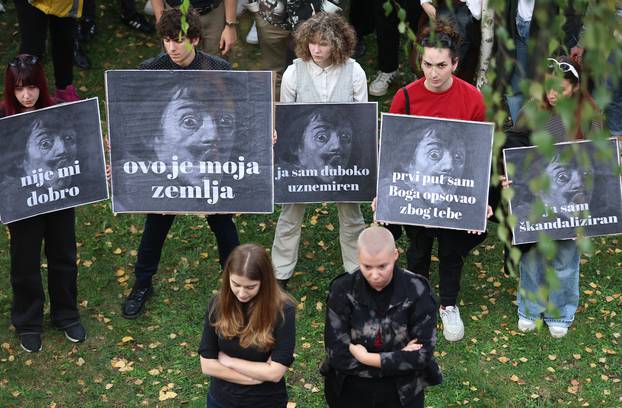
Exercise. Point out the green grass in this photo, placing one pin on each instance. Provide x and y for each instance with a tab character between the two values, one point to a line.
159	349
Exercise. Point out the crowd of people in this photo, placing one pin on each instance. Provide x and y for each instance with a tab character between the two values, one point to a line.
381	320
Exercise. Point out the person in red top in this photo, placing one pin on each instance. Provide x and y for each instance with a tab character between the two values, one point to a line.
440	94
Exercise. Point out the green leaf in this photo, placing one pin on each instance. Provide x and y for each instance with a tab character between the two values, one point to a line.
401	14
388	8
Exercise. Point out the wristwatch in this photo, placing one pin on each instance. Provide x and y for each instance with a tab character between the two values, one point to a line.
231	23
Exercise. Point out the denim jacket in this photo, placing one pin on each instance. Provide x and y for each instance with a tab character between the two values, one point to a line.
351	318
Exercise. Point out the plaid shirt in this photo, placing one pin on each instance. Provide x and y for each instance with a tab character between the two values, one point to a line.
351	318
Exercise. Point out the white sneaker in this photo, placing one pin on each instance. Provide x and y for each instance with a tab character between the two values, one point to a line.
526	325
380	85
148	8
453	328
251	37
558	331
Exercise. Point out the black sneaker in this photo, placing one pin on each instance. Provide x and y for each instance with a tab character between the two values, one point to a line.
30	342
76	333
87	29
80	59
140	23
135	302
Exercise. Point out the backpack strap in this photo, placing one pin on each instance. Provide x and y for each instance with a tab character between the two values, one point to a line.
407	100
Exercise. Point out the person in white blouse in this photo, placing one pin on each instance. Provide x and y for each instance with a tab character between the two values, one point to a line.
323	72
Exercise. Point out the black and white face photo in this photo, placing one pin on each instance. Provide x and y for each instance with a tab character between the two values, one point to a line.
436	155
195	132
50	146
325	143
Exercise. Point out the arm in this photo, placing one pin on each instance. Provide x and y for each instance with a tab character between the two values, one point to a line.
158	8
422	327
282	355
208	352
337	331
288	85
359	84
268	371
486	43
373	359
229	34
213	368
429	8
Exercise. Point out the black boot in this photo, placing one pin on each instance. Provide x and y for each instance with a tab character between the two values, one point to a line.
80	59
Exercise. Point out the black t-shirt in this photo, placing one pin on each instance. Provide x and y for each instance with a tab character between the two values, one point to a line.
266	394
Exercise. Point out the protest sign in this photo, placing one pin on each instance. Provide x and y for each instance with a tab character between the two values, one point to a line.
51	159
190	141
576	191
434	172
325	152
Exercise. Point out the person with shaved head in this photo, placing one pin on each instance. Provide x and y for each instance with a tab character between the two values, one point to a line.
380	331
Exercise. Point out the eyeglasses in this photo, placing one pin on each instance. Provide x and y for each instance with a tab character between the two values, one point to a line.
23	61
437	41
564	66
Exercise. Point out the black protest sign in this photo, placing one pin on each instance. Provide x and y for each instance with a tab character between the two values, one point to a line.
325	152
190	141
434	172
573	191
51	159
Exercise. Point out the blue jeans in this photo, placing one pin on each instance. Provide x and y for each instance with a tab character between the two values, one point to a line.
154	235
557	302
515	99
613	111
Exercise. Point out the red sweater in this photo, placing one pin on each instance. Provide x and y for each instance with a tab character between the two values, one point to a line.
461	101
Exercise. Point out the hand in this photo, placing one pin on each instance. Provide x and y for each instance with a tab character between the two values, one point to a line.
358	351
373	204
430	10
224	359
412	346
505	183
576	53
108	172
228	39
488	215
274	137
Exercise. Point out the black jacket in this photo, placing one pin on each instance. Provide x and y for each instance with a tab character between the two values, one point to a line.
351	318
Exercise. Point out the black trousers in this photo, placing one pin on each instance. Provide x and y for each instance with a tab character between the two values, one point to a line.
154	235
387	35
369	393
128	8
33	29
453	246
57	231
360	17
